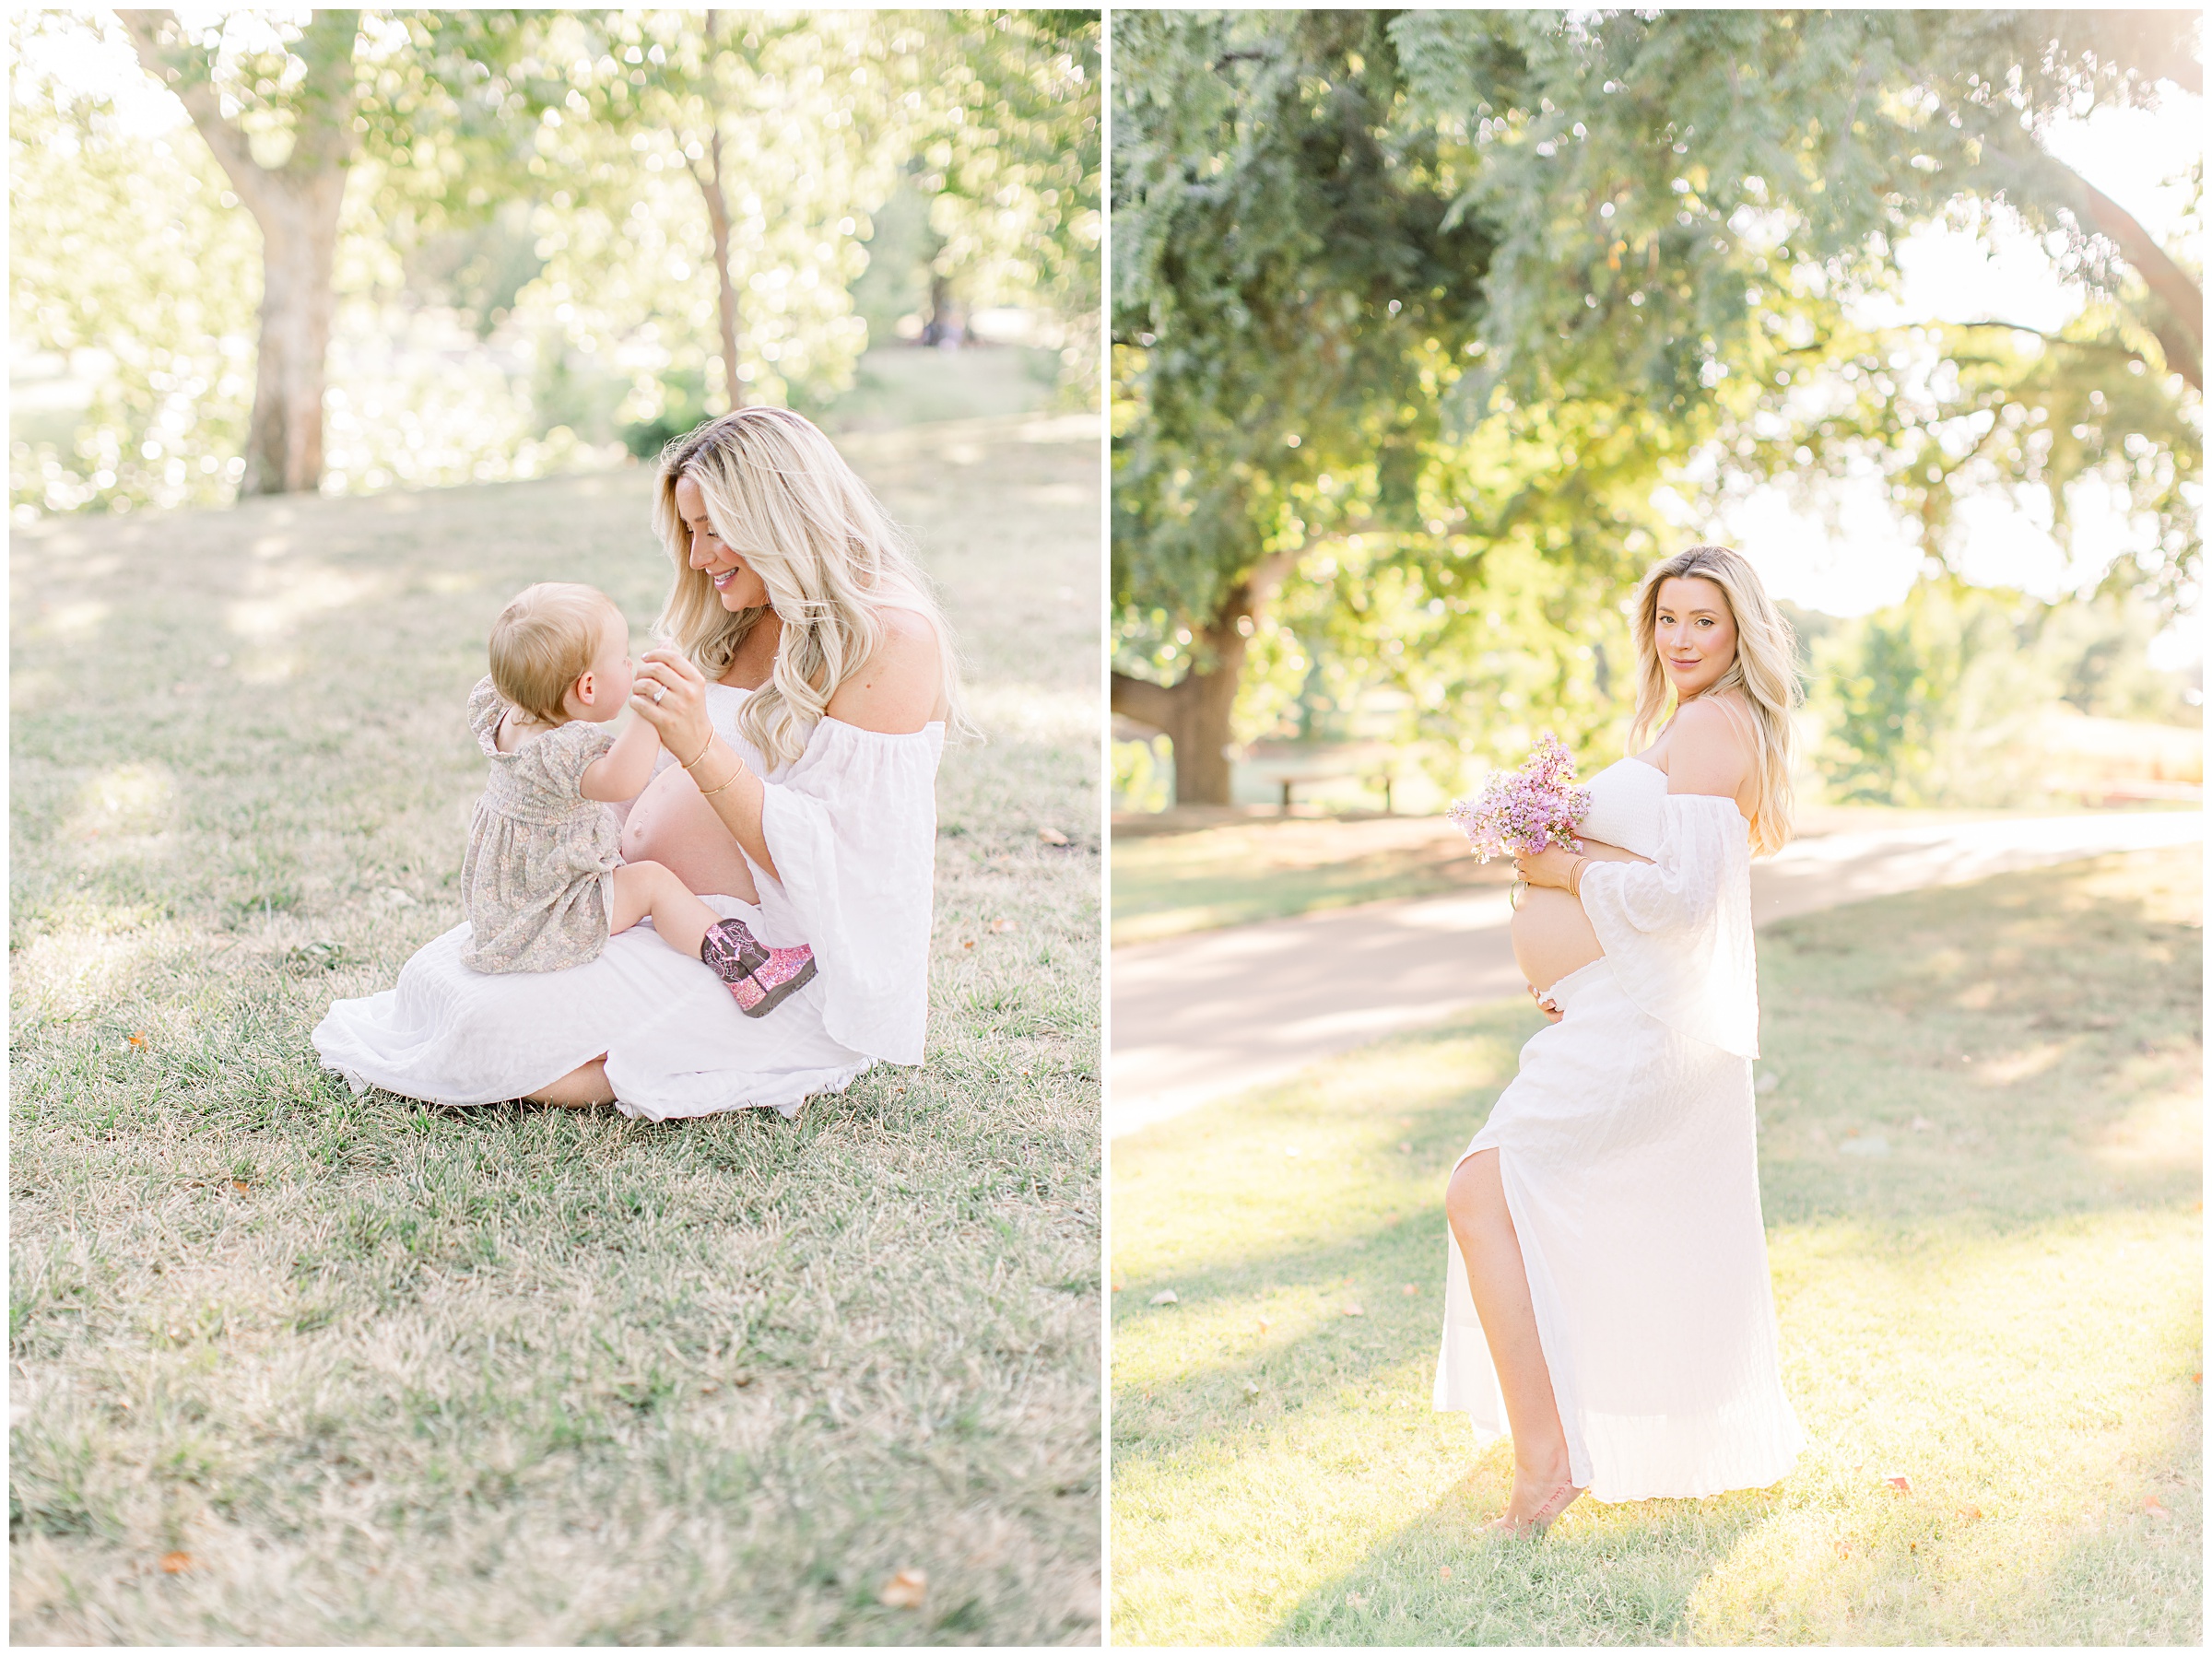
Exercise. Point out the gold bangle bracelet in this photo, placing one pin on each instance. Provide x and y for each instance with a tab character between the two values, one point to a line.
736	771
702	751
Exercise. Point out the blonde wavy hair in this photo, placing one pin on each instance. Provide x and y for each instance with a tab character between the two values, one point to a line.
782	497
1764	670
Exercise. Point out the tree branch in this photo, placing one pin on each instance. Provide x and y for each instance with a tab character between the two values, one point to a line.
189	81
1141	699
2183	340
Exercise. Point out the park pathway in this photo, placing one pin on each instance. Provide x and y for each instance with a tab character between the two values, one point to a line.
1198	1017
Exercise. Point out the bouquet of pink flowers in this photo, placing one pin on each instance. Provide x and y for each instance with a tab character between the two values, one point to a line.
1520	812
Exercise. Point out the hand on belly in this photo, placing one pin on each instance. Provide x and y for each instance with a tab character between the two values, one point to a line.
671	825
1550	932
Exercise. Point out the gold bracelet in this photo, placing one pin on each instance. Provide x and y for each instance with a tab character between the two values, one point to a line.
736	771
702	751
1574	876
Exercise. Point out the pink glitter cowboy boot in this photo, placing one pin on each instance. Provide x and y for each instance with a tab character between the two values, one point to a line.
760	979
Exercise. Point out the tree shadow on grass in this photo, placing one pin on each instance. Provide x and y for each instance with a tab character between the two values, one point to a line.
1443	1581
2001	1036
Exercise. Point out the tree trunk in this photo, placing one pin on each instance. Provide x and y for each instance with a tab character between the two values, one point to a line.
296	206
1195	711
944	325
299	248
718	221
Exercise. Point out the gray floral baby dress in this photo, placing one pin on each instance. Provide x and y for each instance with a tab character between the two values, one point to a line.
538	884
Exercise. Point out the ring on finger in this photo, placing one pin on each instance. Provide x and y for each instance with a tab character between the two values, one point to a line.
659	695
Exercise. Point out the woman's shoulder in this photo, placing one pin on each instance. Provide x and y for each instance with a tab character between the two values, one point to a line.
1710	746
896	690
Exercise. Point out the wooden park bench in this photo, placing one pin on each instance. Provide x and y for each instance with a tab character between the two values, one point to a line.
1291	765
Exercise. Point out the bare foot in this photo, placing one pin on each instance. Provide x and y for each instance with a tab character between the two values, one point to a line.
1539	1496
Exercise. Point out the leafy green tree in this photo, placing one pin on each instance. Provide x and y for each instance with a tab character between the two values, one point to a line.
1936	700
100	223
1660	216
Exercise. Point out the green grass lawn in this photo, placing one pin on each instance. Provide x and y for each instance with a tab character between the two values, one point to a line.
1231	873
1981	1155
291	1366
1190	871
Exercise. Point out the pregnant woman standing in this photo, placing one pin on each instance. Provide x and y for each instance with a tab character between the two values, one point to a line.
802	713
1608	1302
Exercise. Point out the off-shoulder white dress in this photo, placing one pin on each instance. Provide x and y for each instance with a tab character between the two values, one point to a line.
851	823
1628	1152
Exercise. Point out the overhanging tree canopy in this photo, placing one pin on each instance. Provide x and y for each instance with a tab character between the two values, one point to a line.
1622	237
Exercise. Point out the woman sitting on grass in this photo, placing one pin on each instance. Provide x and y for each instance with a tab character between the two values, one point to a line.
803	711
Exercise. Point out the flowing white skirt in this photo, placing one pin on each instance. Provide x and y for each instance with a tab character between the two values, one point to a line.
1629	1157
675	1041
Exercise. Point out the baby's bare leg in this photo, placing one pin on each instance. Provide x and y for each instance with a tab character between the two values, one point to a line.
643	888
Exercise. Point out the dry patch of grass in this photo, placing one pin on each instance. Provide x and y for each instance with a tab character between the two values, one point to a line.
291	1366
2001	1304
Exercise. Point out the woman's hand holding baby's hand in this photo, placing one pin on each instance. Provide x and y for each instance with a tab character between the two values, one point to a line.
670	694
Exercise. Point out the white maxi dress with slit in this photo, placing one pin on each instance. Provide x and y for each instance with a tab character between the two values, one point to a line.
852	825
1626	1147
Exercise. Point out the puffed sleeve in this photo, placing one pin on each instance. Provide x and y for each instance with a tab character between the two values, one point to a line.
567	753
852	828
485	706
1677	931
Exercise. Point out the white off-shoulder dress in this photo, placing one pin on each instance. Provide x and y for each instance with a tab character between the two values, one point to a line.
852	825
1626	1147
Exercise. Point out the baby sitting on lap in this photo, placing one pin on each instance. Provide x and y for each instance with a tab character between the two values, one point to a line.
544	884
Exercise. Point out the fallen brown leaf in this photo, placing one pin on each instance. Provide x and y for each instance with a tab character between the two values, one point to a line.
1003	925
176	1563
905	1590
138	1038
1903	1484
967	943
1052	836
239	1185
1970	1512
1409	1290
1444	1574
2154	1506
1355	1309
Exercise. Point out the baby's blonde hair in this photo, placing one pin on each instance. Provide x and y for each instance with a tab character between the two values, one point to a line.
544	641
779	493
1764	670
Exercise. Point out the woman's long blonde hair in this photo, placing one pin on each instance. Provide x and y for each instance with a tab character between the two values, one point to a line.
782	497
1764	670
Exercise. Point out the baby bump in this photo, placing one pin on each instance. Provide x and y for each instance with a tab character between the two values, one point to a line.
1551	934
672	825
